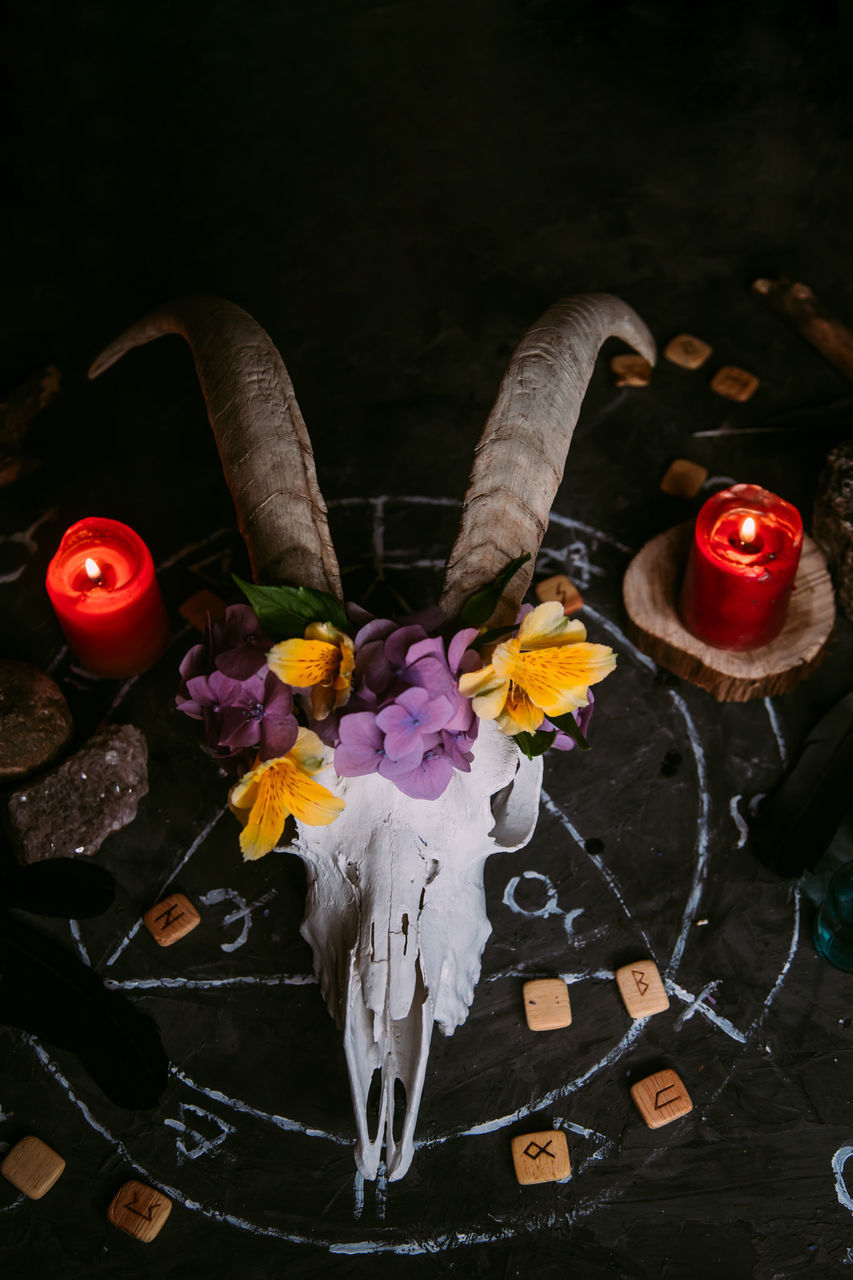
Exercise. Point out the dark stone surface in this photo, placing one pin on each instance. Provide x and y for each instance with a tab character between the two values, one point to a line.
396	191
35	720
96	792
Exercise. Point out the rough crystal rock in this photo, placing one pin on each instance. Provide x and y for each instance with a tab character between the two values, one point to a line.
72	809
35	722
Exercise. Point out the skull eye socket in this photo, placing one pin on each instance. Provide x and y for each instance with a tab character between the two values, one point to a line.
515	808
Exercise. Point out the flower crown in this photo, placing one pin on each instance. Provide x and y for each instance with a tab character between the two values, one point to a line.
295	674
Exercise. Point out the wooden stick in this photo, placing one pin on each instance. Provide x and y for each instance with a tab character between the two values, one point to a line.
796	304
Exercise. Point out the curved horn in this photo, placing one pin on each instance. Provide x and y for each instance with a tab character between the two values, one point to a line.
260	433
519	461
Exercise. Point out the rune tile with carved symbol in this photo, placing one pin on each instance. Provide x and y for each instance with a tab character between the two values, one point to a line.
541	1157
139	1210
661	1098
171	919
641	988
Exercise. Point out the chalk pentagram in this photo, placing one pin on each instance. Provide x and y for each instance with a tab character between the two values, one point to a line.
209	1114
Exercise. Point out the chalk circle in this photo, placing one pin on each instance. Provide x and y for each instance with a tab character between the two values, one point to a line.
390	1237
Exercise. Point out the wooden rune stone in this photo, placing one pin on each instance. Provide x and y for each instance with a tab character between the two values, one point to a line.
661	1098
560	588
139	1210
683	479
734	383
631	371
35	722
641	988
32	1166
171	919
686	351
541	1157
650	592
546	1004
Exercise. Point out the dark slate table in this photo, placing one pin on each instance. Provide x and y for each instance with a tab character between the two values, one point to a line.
396	192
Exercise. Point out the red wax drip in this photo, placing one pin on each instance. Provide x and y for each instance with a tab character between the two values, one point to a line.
735	595
116	624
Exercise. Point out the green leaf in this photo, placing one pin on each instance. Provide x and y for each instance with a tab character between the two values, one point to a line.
569	726
285	612
534	744
489	637
479	607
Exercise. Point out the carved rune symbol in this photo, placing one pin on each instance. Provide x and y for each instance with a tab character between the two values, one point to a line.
639	978
169	918
660	1101
533	1150
131	1205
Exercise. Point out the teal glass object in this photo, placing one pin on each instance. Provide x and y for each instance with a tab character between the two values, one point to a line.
833	931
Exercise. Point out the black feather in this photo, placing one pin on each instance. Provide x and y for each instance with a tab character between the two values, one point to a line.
59	887
46	990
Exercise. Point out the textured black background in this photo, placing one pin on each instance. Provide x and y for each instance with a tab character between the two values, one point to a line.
396	191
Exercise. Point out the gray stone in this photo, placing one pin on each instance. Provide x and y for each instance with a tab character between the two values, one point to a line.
35	722
73	809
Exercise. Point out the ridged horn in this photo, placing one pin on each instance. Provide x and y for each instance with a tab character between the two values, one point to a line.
518	464
260	434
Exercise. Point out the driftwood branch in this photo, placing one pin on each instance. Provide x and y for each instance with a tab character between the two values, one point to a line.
797	305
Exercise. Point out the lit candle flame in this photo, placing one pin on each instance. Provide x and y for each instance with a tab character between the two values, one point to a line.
93	570
747	530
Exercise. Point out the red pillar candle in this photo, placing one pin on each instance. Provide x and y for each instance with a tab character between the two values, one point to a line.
745	552
102	587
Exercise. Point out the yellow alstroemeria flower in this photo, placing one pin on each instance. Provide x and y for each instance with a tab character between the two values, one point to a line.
322	662
266	796
545	670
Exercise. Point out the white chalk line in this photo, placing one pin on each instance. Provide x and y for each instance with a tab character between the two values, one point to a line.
443	1242
211	984
199	840
777	731
605	873
545	1102
700	870
279	1122
423	500
74	927
756	1023
839	1160
742	828
435	1244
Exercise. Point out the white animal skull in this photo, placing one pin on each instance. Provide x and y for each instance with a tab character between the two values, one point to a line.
396	913
396	918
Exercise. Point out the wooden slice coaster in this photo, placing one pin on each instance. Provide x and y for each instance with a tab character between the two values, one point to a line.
650	591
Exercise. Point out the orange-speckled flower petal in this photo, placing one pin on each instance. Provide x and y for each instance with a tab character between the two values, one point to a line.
304	663
520	715
552	677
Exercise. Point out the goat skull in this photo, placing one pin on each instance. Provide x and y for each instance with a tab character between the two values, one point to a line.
396	914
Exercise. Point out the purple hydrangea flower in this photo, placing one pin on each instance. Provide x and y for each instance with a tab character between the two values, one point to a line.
361	749
406	719
413	714
225	682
